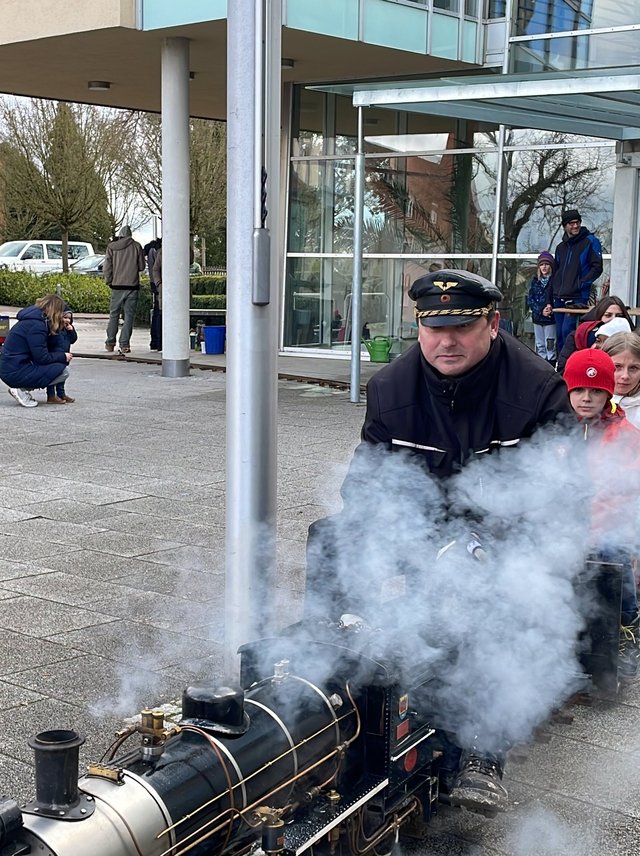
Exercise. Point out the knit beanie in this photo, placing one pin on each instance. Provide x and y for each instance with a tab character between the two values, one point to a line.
590	368
568	216
616	325
546	256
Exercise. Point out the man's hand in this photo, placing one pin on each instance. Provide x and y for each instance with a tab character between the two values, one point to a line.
69	357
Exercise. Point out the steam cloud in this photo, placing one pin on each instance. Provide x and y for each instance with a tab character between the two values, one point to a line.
502	634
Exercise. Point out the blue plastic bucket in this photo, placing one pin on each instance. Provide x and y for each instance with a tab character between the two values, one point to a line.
214	339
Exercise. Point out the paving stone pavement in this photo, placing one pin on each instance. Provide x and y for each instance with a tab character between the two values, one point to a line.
111	590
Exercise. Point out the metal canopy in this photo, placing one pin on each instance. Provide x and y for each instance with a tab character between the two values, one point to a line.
592	102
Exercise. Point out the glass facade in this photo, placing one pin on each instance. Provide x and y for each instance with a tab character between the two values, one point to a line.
430	200
600	34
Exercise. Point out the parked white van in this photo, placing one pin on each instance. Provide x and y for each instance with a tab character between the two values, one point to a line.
40	256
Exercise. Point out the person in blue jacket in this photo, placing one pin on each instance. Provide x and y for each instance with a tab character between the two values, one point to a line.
578	265
62	341
26	363
544	326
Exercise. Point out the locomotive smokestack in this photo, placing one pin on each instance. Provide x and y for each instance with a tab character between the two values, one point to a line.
56	770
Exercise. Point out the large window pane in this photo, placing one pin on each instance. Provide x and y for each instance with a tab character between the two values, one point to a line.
555	16
542	183
598	51
318	300
437	203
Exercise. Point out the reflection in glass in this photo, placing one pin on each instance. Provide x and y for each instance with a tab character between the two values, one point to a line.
317	310
603	50
436	203
543	183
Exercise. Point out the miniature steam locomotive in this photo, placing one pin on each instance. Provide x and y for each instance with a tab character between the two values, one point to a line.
326	748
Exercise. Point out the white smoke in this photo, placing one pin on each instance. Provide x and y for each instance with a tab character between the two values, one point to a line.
501	635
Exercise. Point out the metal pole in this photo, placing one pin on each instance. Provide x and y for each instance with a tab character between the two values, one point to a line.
502	135
356	287
252	321
175	208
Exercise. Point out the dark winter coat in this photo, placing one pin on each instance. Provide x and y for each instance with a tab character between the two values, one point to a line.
447	420
578	265
123	262
26	361
63	340
537	300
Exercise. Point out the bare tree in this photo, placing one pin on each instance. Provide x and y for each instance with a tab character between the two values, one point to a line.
62	169
208	170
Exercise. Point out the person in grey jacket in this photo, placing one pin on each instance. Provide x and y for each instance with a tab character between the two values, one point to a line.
123	262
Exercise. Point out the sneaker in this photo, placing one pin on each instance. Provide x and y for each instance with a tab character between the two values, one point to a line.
125	349
110	346
478	786
23	397
629	650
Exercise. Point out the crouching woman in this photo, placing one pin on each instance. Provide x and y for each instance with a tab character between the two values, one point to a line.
26	362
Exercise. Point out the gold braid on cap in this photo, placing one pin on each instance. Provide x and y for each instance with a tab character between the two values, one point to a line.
432	313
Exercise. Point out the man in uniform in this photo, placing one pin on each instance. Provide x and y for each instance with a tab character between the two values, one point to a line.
465	389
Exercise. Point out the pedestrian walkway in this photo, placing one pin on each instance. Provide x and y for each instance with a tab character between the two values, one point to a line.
332	369
112	517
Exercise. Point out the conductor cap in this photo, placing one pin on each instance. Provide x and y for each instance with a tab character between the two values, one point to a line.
453	297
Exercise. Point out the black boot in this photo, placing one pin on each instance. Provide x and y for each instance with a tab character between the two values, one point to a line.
478	785
629	650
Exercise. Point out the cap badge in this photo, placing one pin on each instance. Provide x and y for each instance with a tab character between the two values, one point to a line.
591	372
445	286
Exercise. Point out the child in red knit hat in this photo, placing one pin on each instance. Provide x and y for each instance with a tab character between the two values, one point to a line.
613	454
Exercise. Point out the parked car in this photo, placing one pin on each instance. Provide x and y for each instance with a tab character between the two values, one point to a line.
40	256
90	265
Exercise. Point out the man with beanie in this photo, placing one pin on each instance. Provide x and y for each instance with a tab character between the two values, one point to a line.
578	265
613	459
544	325
466	388
123	262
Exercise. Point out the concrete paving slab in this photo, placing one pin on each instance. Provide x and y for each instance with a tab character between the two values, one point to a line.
41	618
60	588
125	545
89	564
92	682
134	642
583	784
20	651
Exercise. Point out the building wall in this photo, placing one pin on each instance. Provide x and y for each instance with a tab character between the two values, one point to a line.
157	14
28	20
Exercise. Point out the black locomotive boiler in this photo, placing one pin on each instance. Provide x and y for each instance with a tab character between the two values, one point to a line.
324	747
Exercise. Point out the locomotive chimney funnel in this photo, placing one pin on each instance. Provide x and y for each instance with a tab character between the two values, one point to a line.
56	771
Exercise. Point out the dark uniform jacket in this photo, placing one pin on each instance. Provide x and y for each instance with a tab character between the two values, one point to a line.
441	424
448	421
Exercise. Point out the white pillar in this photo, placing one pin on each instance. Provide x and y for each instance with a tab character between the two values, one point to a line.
624	240
253	138
175	208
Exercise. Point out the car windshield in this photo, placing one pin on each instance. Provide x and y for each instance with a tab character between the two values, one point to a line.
12	248
88	262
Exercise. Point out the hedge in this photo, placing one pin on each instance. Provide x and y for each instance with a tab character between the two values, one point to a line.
92	294
208	301
214	284
82	293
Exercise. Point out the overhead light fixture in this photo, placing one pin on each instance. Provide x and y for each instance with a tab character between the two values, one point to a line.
286	63
99	85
